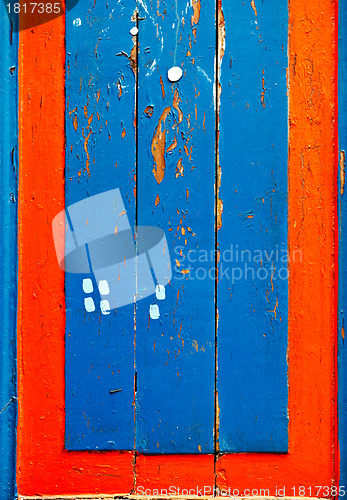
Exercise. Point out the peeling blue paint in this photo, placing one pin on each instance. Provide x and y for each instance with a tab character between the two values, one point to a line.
253	310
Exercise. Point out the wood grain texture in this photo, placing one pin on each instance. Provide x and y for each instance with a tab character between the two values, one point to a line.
8	252
312	295
252	288
175	354
43	467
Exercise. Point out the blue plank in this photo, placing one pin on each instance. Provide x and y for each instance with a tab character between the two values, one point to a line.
8	251
342	212
175	353
100	157
253	309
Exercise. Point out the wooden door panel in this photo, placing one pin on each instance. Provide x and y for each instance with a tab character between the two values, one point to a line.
175	355
100	156
252	293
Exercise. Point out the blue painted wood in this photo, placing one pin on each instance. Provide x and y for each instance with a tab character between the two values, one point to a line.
252	329
100	156
8	252
175	353
342	212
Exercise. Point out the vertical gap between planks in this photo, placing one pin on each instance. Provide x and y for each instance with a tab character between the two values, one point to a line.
216	423
136	225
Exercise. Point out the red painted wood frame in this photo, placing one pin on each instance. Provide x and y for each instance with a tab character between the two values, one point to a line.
44	467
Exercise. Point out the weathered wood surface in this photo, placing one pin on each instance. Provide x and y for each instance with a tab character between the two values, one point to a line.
312	214
100	155
175	355
252	293
44	466
175	190
312	284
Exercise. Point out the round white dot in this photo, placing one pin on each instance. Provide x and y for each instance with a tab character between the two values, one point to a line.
174	74
134	31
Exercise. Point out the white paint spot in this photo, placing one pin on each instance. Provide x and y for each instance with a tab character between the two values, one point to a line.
154	311
87	285
174	74
89	304
103	287
160	292
77	22
134	31
105	306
